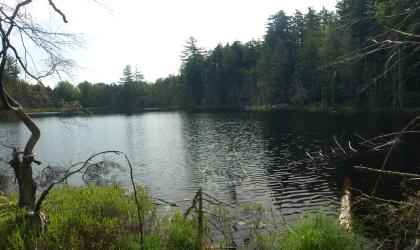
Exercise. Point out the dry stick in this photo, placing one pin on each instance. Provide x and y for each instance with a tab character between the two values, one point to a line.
338	144
386	172
225	230
212	202
382	200
220	202
192	206
173	204
136	199
352	149
200	220
214	224
272	217
391	134
205	169
222	229
365	140
239	160
281	210
392	148
384	145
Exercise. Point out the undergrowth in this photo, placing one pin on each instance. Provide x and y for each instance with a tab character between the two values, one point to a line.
94	217
318	231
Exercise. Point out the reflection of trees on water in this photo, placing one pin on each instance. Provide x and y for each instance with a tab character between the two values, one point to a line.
207	150
289	135
305	184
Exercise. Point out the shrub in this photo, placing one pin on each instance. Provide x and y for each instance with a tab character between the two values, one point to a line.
320	232
179	232
79	218
96	218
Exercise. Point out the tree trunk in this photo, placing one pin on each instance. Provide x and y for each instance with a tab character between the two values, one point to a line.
23	167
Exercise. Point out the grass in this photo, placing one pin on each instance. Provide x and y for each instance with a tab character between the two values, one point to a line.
94	218
317	231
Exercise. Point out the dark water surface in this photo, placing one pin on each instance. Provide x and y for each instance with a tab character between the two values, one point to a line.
168	150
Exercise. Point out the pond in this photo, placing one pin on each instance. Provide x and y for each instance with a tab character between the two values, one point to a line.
245	156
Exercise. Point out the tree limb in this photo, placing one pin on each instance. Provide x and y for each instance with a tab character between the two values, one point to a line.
386	172
58	11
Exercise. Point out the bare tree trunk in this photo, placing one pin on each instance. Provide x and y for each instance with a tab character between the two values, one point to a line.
27	186
23	167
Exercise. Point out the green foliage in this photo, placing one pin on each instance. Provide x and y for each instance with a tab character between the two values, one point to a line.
180	232
318	231
86	217
256	216
95	217
192	72
317	58
66	91
313	58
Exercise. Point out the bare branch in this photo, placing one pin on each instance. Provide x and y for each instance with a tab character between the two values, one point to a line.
386	172
402	32
58	11
409	125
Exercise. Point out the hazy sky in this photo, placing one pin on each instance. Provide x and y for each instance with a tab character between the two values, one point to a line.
151	34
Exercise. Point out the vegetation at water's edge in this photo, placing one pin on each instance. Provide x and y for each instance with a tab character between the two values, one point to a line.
94	217
316	232
351	57
105	218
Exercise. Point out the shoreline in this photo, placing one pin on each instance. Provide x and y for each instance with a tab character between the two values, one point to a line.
37	112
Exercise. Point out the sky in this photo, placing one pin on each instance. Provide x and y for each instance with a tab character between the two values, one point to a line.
151	34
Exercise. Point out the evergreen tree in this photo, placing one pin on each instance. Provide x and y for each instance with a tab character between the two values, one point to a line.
192	72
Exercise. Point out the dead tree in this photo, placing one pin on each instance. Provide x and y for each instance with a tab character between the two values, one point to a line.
397	45
18	30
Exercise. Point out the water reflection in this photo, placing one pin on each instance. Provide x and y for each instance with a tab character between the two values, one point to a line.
170	149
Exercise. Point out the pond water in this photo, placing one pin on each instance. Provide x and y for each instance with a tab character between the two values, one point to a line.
169	151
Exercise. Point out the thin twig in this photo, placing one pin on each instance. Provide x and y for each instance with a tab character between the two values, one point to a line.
386	172
338	144
220	202
382	200
411	123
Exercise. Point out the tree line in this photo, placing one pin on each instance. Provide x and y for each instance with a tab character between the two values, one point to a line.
363	54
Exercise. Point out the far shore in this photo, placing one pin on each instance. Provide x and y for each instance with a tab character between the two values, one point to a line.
277	107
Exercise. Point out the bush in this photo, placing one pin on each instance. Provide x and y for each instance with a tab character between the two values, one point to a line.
79	217
315	232
180	233
96	218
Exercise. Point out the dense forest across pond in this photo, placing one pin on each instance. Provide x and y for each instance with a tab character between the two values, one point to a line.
365	54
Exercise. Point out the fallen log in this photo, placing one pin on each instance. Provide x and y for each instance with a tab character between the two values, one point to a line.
378	171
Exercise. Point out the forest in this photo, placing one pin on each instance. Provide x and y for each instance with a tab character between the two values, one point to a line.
219	180
363	55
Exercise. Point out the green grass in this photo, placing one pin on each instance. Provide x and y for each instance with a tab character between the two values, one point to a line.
94	218
316	232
